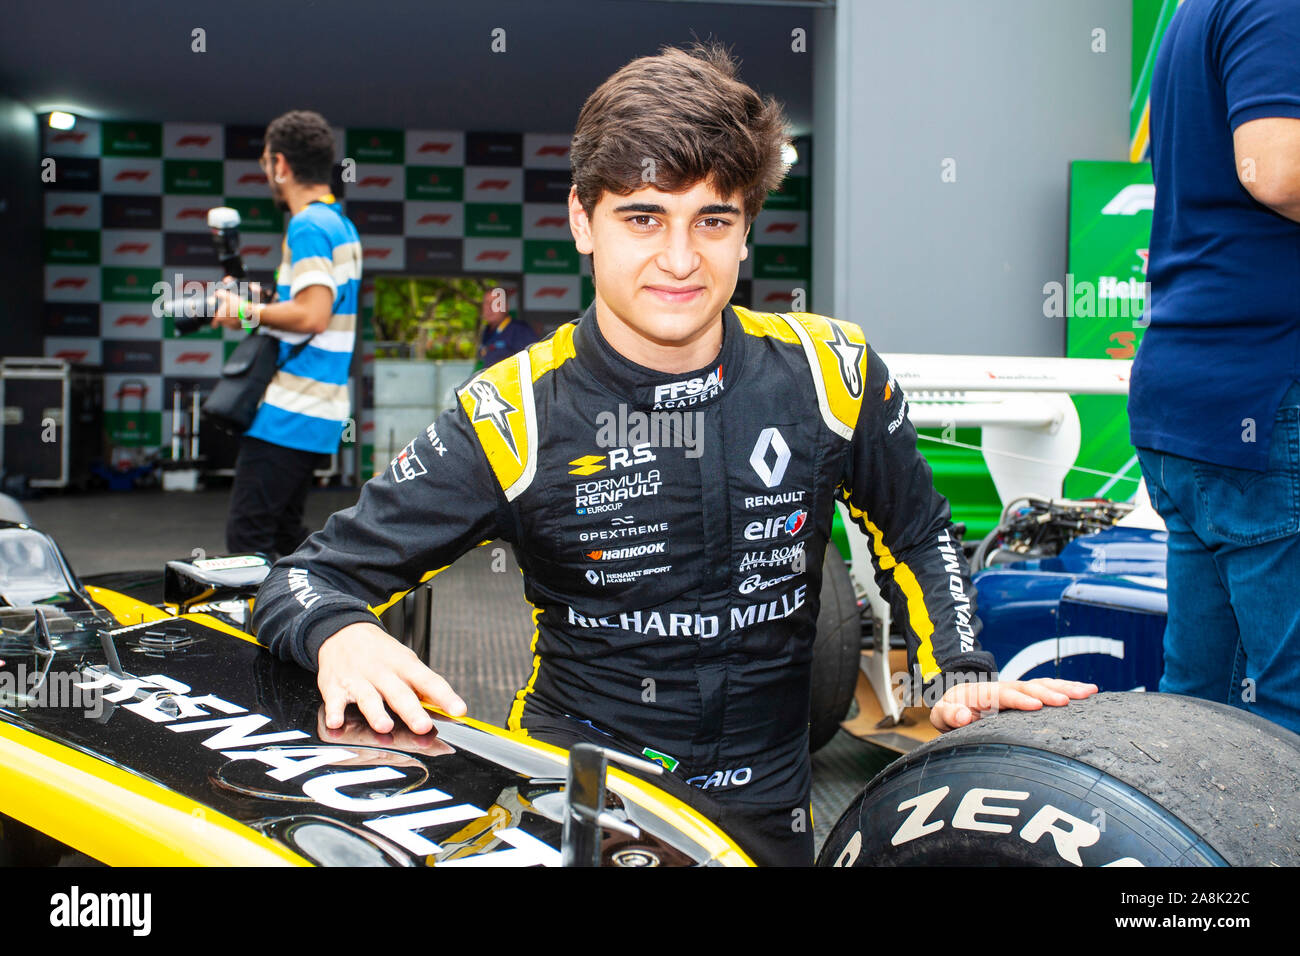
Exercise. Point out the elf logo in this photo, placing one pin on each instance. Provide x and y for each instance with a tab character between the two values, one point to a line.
790	525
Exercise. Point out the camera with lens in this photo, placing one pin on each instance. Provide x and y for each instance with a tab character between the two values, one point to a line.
190	314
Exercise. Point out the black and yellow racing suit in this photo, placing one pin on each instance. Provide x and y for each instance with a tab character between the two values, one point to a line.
670	529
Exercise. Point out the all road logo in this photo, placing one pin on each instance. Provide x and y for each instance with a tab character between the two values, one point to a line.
690	391
770	440
489	406
849	356
407	464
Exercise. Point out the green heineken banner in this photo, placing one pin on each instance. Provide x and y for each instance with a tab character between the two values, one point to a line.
1103	299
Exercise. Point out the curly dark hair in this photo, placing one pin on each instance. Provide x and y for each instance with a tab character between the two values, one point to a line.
307	143
676	119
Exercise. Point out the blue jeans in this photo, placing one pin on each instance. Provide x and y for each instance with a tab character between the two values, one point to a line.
1233	633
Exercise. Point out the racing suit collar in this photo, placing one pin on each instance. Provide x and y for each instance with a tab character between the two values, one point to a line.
646	388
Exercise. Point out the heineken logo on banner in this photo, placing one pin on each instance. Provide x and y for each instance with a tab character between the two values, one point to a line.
131	139
255	215
792	194
77	246
135	212
435	182
75	173
125	284
376	145
782	262
541	255
193	176
494	219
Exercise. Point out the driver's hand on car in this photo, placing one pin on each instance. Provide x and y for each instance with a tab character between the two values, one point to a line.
362	664
964	703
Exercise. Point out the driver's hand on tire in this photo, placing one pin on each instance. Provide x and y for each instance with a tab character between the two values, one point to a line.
965	703
362	664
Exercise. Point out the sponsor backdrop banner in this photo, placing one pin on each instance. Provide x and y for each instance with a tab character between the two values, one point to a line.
127	209
1104	296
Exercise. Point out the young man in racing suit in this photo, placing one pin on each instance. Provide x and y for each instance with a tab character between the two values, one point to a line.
666	468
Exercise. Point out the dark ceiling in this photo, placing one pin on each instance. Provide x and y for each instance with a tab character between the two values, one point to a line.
417	64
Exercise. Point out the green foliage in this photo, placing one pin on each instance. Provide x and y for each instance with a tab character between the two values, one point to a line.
438	318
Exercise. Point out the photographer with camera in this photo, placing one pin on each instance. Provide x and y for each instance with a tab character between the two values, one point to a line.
305	407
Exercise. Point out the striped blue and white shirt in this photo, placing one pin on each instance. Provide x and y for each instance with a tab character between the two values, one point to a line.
306	405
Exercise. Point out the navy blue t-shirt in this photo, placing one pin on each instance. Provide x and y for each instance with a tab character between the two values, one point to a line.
505	340
1223	345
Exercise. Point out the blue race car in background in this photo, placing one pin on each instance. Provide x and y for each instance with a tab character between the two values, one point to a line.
1065	591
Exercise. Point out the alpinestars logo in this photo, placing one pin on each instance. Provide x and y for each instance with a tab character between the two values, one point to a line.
489	406
849	355
407	464
769	439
